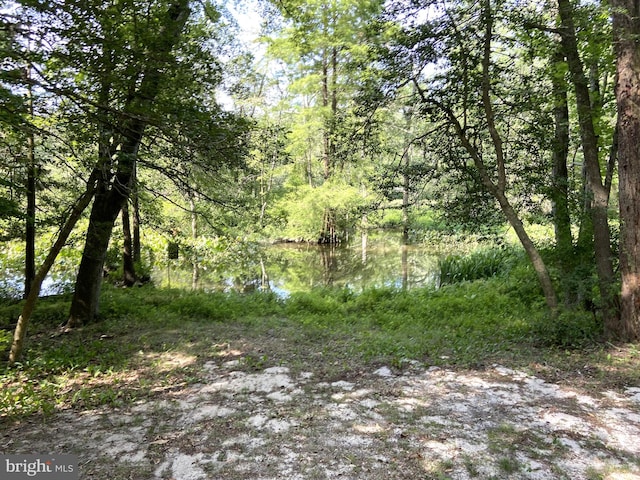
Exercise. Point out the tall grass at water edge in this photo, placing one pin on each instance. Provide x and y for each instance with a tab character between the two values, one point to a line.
486	262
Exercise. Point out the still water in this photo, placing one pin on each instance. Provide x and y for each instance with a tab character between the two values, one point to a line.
379	260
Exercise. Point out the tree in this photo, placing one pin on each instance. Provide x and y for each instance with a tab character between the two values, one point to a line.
165	91
573	43
597	188
32	297
468	98
322	42
129	276
30	189
625	15
118	73
108	181
18	119
117	158
560	173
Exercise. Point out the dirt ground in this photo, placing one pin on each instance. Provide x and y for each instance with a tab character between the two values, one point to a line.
406	422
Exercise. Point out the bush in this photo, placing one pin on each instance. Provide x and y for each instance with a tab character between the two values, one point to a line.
570	329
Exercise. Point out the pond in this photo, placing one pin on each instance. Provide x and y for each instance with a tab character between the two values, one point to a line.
12	282
285	268
377	260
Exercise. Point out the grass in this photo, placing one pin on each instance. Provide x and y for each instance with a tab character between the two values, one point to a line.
482	263
153	340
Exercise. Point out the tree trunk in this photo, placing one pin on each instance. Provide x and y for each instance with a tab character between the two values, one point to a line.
135	204
497	187
128	266
333	116
532	252
195	273
330	102
264	277
30	220
560	192
627	31
405	266
32	298
405	200
329	233
512	217
585	234
364	237
406	180
560	182
85	302
326	159
596	190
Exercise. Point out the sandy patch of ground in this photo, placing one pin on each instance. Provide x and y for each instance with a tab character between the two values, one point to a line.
426	423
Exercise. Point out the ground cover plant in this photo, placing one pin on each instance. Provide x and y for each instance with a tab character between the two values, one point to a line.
482	263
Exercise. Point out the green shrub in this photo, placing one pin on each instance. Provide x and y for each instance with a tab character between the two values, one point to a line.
523	284
570	329
221	307
9	315
199	306
374	299
51	312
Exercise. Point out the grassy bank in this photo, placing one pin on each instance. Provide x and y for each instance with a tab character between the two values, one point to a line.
152	340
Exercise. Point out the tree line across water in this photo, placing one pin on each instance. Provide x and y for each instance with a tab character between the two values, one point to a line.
480	113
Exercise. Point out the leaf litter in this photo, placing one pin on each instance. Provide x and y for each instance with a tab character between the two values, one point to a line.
417	422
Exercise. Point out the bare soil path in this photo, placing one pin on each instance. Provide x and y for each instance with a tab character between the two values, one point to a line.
249	421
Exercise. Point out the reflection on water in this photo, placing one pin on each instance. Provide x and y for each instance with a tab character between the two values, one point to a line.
376	261
58	282
291	267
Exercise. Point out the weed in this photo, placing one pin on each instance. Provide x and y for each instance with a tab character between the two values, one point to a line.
255	363
5	340
593	474
470	466
509	465
438	470
321	302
